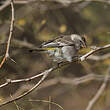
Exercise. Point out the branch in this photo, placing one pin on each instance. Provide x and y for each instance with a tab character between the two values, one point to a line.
45	74
7	3
96	49
72	81
62	80
10	81
98	58
65	2
10	35
68	2
99	92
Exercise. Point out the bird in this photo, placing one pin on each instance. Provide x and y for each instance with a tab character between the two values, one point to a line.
64	47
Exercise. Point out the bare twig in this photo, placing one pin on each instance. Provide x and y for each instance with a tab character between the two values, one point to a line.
50	102
99	92
68	2
45	74
63	2
72	81
10	34
9	81
94	51
6	3
98	58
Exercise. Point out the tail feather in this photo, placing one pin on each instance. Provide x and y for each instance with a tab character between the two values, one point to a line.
37	50
41	49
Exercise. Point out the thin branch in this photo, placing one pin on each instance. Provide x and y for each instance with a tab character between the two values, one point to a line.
99	92
10	81
46	101
72	81
68	2
10	34
30	90
61	1
63	80
65	2
98	58
93	51
6	3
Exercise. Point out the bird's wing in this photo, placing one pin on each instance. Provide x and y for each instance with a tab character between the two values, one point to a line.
50	45
65	41
59	42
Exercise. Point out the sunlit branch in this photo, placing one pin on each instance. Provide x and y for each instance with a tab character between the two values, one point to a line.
10	34
45	74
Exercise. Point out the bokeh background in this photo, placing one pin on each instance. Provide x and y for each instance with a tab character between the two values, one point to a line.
42	20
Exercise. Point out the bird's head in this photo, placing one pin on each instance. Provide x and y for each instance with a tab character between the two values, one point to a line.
79	41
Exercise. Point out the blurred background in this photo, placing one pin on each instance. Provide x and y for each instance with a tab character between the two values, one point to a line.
37	21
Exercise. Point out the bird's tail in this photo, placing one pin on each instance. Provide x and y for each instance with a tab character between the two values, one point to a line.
41	49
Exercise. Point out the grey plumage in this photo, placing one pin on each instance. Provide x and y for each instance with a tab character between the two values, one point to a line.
65	48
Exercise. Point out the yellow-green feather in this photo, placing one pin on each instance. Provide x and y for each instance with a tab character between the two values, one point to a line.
49	48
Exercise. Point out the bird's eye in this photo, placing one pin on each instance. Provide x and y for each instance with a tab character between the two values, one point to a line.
83	43
83	39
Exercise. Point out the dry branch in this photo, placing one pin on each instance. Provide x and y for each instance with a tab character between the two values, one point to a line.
62	80
98	58
96	49
10	81
99	92
63	2
45	74
72	81
7	3
10	34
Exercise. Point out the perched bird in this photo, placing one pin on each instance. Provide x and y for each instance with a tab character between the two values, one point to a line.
64	48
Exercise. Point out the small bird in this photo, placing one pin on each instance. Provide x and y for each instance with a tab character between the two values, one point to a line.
64	48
